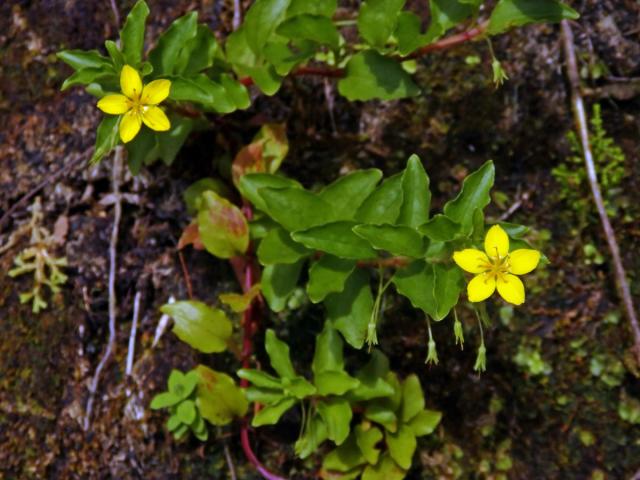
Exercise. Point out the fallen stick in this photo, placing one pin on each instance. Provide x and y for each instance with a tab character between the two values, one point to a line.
132	335
113	245
580	118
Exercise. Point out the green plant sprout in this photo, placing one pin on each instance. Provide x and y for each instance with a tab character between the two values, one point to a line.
609	160
38	260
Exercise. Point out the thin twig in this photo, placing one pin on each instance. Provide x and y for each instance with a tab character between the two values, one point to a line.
113	245
116	12
132	335
230	464
580	118
237	14
185	274
162	325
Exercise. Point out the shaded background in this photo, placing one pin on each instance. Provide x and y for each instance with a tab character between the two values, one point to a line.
559	368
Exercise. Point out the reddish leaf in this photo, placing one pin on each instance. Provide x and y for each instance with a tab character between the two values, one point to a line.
223	228
191	236
248	160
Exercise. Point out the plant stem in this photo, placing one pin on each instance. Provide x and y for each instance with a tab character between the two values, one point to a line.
580	118
443	44
250	321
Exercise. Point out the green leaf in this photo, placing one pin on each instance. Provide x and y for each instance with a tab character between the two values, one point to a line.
181	431
367	437
204	328
199	53
372	379
318	7
87	76
264	395
328	275
186	411
192	195
223	227
473	195
278	247
350	310
173	423
170	143
218	398
377	20
446	14
383	414
314	434
514	13
164	400
337	239
201	89
107	137
440	229
81	59
371	75
116	55
236	91
385	469
425	422
132	34
384	204
270	414
167	51
344	458
278	352
182	385
337	415
347	193
260	378
334	382
328	355
298	387
283	58
416	195
251	184
412	398
142	150
402	445
317	28
278	282
261	22
408	33
296	209
416	282
449	283
397	240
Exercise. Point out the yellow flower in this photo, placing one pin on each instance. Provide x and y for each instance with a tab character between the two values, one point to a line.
137	104
497	268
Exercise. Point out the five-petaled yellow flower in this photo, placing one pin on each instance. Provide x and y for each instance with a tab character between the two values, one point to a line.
497	268
137	104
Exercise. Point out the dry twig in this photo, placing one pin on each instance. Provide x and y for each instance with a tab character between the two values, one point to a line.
132	335
580	118
113	245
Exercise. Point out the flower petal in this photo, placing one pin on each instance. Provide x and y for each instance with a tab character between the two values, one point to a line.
115	104
481	287
523	260
129	126
155	119
155	92
511	289
130	82
496	243
471	260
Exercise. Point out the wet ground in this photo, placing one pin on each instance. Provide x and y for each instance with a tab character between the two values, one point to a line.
559	368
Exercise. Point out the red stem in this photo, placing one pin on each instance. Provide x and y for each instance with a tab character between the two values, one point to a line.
443	44
250	320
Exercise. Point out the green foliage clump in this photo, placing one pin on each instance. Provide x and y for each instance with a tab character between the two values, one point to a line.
609	160
38	260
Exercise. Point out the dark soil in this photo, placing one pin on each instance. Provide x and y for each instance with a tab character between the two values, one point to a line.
562	424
